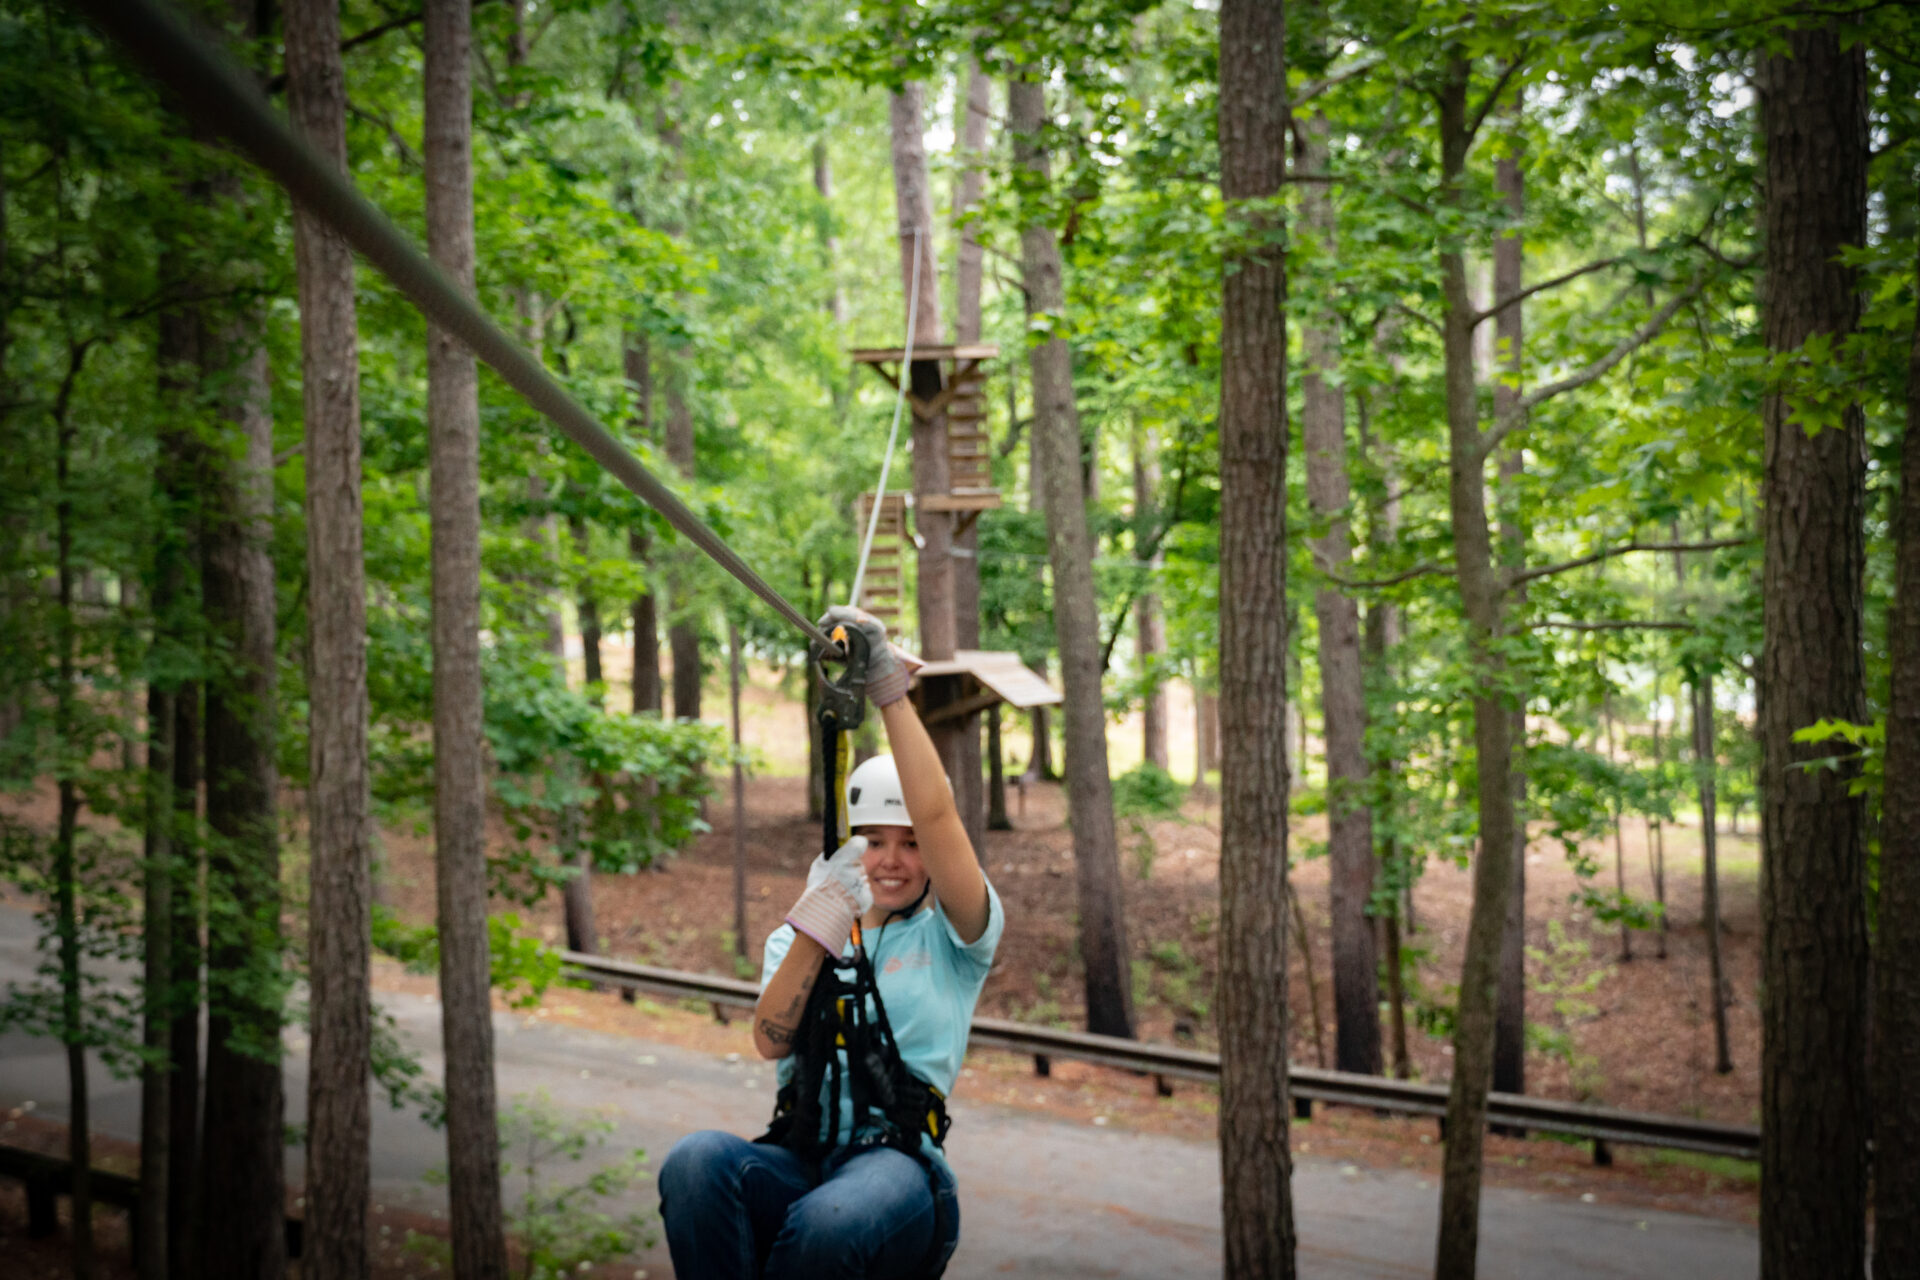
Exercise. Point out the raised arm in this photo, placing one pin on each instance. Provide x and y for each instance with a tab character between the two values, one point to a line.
937	829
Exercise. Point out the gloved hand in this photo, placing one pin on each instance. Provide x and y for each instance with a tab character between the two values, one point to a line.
837	896
889	669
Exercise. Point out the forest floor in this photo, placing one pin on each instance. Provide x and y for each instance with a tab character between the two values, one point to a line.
1634	1034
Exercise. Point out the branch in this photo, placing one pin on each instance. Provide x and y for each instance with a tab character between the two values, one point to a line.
1314	88
1542	287
1119	626
1512	419
1012	441
406	153
1493	96
1614	624
1420	316
1421	570
1514	579
352	42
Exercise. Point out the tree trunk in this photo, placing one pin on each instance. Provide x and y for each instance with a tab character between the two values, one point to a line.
1480	594
1056	433
243	1144
1255	1161
646	635
976	109
1206	732
1813	1079
1896	1015
66	873
683	632
1382	633
997	819
739	794
1656	841
1150	629
459	766
1509	276
1343	697
913	206
1619	842
588	608
157	932
170	812
184	1181
1040	766
1704	767
340	876
563	772
646	625
830	245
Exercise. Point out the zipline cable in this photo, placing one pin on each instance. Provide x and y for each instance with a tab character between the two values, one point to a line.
219	96
893	432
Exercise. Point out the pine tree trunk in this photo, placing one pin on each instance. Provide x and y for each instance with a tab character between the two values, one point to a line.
1705	766
1509	276
1813	1079
157	932
1040	765
588	608
968	783
340	895
66	874
459	765
1206	732
646	625
739	793
1896	1023
244	1195
1619	842
1382	633
1056	433
1480	594
1650	828
1343	697
919	268
683	632
1150	629
997	819
1255	1160
184	1179
169	831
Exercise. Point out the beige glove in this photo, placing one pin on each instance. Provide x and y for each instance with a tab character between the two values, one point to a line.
837	896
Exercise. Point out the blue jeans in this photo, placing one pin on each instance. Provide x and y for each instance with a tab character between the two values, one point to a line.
737	1210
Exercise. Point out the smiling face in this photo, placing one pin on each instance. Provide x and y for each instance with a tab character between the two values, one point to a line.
894	869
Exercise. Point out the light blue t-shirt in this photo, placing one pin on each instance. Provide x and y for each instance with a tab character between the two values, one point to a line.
930	981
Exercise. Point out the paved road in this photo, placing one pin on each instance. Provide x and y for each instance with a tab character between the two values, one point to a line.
1040	1197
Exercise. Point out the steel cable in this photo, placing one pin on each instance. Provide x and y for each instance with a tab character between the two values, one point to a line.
219	96
893	432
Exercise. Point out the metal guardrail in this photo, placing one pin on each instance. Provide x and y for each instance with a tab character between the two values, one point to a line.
1507	1111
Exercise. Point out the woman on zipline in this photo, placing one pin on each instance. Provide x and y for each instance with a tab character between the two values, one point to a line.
850	1181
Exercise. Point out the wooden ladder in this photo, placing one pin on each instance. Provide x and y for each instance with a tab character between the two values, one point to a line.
880	591
969	447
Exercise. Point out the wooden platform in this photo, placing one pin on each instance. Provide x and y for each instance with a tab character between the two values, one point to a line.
986	676
894	355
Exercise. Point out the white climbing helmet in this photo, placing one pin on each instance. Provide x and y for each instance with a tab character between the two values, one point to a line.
874	797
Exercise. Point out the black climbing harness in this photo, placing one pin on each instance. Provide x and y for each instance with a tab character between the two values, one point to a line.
845	1043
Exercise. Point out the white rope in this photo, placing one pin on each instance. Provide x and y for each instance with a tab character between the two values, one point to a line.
893	433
